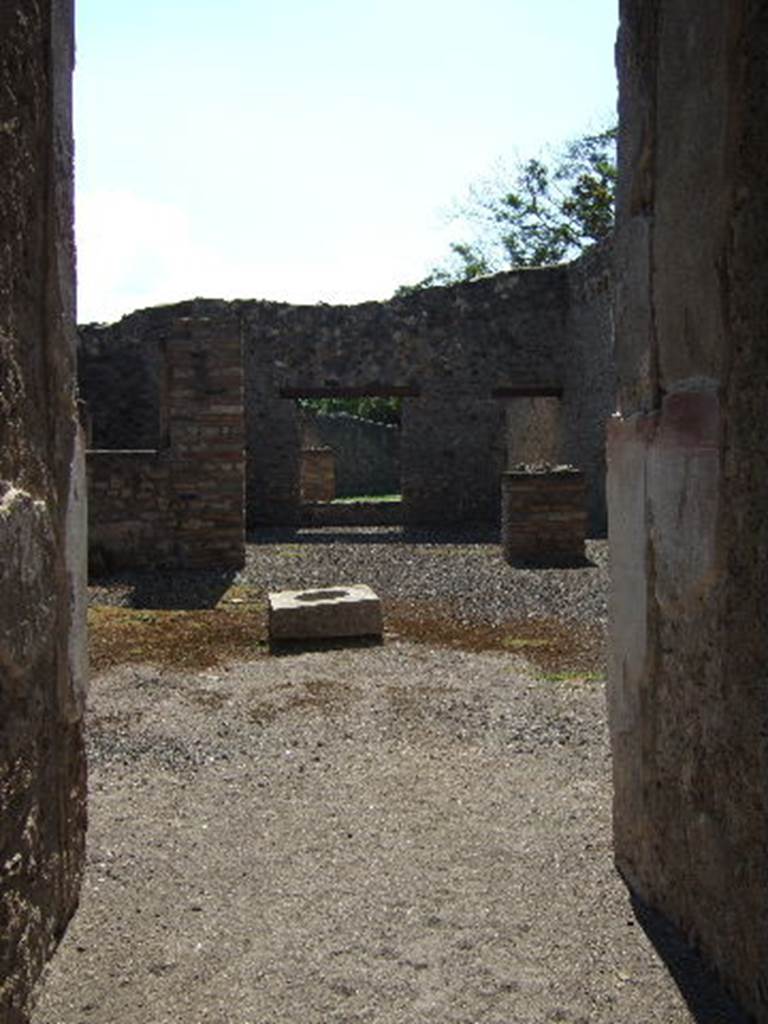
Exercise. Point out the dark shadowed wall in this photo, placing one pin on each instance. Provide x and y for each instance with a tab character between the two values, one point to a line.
42	503
688	477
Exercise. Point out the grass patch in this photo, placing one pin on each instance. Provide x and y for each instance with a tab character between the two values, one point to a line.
289	551
574	676
557	649
370	498
174	639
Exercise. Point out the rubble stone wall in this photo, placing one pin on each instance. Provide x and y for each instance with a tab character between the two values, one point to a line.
688	478
42	503
455	354
534	431
120	372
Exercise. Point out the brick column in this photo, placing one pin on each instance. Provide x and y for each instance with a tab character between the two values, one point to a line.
206	442
543	515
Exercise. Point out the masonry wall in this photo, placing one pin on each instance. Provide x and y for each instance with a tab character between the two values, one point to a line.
121	372
42	528
205	438
455	353
688	478
130	522
534	431
183	503
589	376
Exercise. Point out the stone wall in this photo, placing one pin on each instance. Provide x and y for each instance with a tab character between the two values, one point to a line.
444	349
589	380
42	528
534	431
121	371
129	516
183	504
455	354
688	478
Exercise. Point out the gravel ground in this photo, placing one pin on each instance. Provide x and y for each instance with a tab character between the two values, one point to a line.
417	831
464	570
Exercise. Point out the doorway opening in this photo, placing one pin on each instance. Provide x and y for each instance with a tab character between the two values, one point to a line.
349	466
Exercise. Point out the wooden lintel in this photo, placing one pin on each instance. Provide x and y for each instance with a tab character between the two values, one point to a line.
522	391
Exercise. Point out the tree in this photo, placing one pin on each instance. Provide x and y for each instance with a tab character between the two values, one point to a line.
555	208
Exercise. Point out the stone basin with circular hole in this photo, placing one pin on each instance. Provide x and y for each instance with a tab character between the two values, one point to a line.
324	613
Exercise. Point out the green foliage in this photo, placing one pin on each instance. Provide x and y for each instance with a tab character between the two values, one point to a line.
381	410
553	209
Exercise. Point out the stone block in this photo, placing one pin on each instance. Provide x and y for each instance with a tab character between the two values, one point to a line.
324	613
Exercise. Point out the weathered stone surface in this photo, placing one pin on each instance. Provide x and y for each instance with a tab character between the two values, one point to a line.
449	351
688	479
42	529
324	613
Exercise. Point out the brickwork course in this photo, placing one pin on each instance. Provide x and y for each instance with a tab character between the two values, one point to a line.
180	504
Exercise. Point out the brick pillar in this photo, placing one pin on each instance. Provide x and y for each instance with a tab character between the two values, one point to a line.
317	474
205	428
543	515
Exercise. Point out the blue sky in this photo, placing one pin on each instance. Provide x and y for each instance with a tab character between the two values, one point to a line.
309	150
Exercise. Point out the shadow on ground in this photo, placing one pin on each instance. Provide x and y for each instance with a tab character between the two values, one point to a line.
481	533
172	589
705	997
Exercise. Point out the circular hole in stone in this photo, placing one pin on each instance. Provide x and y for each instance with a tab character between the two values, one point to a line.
321	595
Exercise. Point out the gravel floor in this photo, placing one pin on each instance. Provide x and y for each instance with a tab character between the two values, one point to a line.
464	569
410	832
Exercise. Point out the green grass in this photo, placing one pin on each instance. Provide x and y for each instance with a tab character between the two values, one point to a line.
573	677
367	497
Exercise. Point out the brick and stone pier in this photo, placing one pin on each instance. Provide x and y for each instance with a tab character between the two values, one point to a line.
543	515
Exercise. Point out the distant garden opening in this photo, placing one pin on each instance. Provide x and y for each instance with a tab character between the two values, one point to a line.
350	456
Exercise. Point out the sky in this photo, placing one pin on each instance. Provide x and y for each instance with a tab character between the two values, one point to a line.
309	150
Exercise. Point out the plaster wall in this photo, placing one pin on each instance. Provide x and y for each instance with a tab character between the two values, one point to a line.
688	478
42	528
